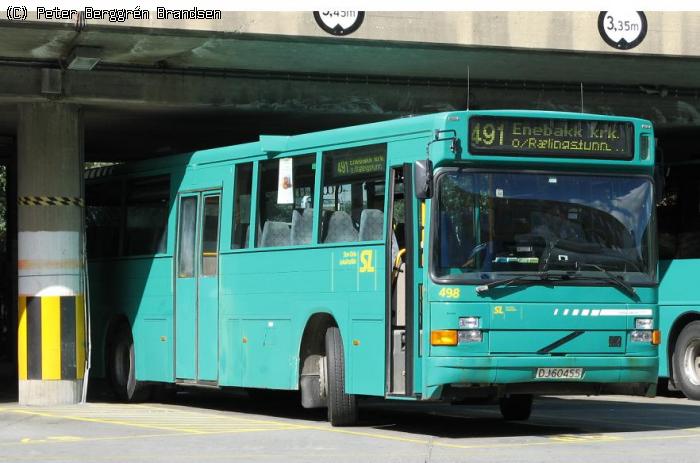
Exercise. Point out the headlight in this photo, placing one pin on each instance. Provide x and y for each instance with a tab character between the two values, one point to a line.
470	336
641	336
644	324
468	323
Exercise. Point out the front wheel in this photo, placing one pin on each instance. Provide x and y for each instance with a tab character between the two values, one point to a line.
122	369
516	407
686	361
342	407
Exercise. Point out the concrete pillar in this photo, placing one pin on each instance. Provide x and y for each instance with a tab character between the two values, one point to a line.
51	331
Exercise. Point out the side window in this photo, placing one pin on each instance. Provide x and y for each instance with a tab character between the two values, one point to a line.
353	194
398	220
210	236
241	206
678	213
146	215
103	217
187	223
285	201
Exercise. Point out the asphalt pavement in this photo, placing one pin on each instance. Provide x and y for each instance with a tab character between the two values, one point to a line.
204	426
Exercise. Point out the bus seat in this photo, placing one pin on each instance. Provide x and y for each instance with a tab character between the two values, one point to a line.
340	228
302	226
371	224
275	234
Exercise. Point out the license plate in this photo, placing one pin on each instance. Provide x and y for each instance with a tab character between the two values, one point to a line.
559	373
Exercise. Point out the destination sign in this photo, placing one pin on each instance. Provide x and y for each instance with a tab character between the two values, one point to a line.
527	136
362	161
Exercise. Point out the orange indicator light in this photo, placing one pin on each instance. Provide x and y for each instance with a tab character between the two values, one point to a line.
443	337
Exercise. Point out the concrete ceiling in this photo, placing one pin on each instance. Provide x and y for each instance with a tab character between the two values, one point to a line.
181	49
162	91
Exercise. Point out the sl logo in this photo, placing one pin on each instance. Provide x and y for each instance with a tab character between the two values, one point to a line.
366	261
498	310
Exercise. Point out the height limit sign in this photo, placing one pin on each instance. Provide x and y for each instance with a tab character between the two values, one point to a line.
622	29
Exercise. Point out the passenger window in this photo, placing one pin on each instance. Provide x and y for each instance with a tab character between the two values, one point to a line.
353	194
285	201
187	219
398	221
210	236
147	215
678	213
103	217
241	206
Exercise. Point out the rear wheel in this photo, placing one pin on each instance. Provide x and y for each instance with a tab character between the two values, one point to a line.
686	361
342	407
516	407
123	369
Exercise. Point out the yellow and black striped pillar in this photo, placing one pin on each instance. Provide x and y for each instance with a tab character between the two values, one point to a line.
51	338
50	265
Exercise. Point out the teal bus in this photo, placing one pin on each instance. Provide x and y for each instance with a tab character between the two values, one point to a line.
678	209
465	256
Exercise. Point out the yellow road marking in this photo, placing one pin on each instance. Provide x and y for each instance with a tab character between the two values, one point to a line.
607	421
557	440
585	437
187	422
226	455
161	418
90	439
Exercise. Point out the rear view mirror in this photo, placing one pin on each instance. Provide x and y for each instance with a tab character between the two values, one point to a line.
423	178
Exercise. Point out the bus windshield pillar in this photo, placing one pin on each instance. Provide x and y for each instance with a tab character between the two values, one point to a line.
51	328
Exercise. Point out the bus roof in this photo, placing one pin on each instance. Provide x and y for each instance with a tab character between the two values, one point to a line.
270	145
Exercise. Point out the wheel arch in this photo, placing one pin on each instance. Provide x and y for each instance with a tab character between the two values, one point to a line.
313	337
312	349
678	324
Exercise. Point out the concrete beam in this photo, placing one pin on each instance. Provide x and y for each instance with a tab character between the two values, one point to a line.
134	112
263	92
143	90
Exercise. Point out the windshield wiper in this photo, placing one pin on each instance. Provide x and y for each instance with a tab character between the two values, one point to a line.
609	277
577	266
529	279
546	276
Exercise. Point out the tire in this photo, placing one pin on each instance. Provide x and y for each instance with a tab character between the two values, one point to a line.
342	407
516	407
686	361
122	369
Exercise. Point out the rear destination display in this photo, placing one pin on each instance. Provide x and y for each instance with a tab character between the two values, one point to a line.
508	136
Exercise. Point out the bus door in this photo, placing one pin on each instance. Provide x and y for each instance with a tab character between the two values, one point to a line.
197	287
401	330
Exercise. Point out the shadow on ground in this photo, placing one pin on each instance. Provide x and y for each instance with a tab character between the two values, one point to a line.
551	416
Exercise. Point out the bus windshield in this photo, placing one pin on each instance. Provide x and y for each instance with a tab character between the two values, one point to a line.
490	224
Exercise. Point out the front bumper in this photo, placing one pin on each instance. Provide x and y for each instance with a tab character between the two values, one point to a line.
516	375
